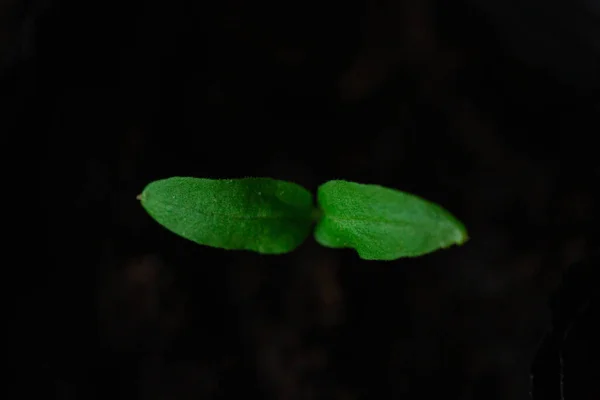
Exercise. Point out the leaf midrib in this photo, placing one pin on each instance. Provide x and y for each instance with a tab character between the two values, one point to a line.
200	212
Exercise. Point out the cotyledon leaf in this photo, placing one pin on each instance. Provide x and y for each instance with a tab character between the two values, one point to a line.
382	223
259	214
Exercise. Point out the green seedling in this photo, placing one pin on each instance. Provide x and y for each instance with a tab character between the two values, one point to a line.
270	216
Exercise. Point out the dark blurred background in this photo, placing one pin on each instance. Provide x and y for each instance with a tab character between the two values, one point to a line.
487	107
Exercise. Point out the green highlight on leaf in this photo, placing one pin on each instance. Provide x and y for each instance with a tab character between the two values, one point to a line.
259	214
382	223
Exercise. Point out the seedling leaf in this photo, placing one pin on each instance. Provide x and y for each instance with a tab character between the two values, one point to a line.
259	214
382	223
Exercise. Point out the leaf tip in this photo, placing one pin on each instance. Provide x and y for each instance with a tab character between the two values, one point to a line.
462	234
